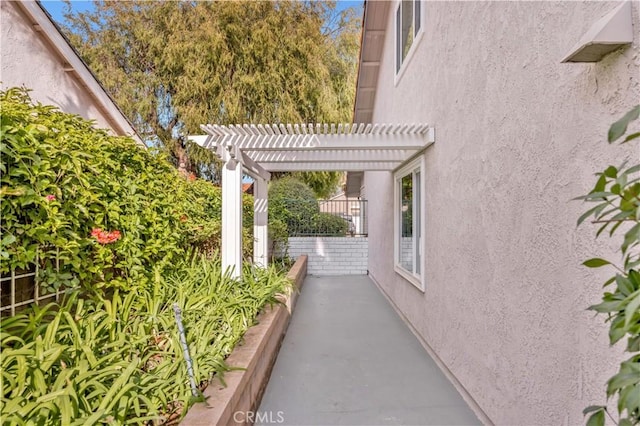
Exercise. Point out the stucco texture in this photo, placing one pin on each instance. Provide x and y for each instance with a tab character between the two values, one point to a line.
518	135
28	60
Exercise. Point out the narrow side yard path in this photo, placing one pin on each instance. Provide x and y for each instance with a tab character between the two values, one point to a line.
348	359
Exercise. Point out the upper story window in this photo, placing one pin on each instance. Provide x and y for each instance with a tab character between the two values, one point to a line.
408	23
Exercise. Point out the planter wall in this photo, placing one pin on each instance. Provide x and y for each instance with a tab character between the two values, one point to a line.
234	403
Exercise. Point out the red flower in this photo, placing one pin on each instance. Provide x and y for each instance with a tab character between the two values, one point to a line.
50	197
104	237
191	177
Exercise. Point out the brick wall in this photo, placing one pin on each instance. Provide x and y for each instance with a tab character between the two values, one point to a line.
332	255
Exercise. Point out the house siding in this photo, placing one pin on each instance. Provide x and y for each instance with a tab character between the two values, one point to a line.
28	60
518	135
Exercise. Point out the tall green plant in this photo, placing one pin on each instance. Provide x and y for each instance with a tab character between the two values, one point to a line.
617	198
118	359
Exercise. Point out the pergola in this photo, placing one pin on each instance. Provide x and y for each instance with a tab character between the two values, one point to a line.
257	150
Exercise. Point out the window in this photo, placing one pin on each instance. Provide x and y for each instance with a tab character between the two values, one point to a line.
408	222
408	23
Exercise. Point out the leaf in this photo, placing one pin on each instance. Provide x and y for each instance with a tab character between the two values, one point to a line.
631	137
595	263
632	308
600	184
7	240
596	419
593	211
622	380
611	172
592	408
618	128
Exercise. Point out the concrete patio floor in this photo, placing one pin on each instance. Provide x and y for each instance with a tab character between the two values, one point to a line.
348	359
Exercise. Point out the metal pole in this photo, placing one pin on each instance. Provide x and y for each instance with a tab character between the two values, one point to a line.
185	349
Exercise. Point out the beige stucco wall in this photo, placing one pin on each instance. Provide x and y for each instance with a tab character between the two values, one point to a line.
28	60
518	135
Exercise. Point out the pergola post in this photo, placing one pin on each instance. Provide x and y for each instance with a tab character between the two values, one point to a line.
232	217
260	217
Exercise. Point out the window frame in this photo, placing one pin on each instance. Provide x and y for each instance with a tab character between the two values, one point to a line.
413	168
418	31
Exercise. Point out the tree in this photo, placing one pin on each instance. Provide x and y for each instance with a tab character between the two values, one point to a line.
172	66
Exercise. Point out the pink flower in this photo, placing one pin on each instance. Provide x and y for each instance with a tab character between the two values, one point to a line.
50	197
104	237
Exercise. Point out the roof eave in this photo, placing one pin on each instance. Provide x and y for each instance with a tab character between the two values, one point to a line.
52	33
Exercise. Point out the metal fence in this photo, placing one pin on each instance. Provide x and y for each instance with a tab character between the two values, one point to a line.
337	218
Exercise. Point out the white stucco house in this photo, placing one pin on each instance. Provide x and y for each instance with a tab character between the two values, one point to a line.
487	268
36	55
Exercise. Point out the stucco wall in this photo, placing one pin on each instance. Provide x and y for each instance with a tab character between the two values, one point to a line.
27	60
518	135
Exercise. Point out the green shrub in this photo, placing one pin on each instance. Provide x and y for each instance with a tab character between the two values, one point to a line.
67	187
330	225
293	203
119	359
117	217
294	211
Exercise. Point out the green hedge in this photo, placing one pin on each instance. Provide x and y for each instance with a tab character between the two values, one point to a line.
330	225
126	228
294	203
65	184
294	211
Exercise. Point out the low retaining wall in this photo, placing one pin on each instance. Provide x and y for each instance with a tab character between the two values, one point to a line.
236	403
332	255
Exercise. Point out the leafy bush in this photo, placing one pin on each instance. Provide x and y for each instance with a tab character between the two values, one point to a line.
293	203
119	359
202	218
330	225
109	210
617	194
294	211
121	221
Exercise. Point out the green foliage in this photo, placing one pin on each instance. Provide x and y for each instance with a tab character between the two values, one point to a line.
172	66
110	352
323	184
119	359
617	208
61	179
330	225
293	203
294	211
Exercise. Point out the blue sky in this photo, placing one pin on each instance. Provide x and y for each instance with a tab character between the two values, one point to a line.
57	8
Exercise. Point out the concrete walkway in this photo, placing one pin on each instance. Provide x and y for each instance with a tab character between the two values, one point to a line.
348	359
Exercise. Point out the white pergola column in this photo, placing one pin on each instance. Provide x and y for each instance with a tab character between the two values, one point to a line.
232	218
260	217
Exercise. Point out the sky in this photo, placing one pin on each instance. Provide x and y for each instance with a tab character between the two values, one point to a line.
57	7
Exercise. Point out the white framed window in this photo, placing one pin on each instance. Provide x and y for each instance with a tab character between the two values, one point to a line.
408	30
409	222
